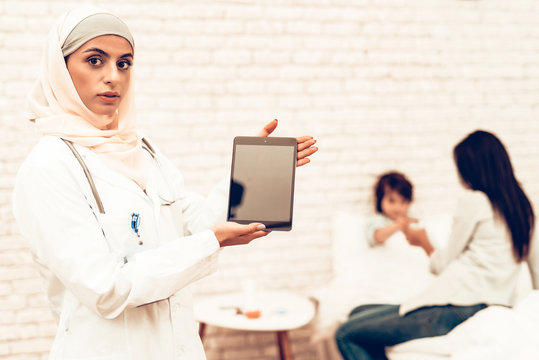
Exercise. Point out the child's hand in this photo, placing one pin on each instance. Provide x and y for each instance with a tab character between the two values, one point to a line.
401	223
404	222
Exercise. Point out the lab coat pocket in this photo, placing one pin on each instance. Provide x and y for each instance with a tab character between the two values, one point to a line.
120	237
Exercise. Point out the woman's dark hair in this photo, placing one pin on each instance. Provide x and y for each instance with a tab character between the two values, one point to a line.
395	181
484	165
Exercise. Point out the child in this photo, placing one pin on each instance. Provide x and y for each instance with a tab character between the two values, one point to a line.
393	193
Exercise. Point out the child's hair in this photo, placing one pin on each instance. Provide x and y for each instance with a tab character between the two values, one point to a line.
483	164
395	181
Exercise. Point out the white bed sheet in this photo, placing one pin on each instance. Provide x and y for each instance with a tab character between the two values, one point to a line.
495	333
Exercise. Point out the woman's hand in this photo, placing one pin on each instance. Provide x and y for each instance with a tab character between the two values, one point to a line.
418	237
305	143
231	233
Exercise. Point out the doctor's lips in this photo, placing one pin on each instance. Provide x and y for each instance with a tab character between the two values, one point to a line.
109	96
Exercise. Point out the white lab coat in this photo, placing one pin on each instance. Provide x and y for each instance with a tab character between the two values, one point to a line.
108	308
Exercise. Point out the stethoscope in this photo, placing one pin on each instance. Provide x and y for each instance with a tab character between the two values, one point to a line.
146	146
135	217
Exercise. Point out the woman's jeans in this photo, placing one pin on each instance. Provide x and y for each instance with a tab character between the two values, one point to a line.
370	328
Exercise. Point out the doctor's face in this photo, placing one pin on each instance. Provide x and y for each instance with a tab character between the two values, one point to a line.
101	72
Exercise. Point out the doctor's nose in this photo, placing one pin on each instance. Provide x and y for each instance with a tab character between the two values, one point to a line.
112	75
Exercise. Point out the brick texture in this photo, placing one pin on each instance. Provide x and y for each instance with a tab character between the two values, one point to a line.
381	84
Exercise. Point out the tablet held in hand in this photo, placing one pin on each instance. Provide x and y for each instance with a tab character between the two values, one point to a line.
262	181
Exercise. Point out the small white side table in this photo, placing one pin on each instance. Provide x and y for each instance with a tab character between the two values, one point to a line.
281	311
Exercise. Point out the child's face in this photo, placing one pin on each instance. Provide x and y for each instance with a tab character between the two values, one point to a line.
394	205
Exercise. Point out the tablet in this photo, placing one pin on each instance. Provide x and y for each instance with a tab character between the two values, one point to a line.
262	181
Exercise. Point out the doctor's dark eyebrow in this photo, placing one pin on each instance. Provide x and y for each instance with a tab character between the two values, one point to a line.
104	53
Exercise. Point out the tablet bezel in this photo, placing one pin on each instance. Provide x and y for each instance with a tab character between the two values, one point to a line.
265	141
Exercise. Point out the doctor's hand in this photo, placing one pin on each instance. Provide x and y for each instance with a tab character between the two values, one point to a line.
305	143
231	233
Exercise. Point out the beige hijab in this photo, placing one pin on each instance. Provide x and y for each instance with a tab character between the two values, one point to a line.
57	109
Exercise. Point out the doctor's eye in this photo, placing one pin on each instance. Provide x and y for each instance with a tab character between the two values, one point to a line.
124	64
94	61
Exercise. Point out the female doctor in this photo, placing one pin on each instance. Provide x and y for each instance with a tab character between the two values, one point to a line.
111	227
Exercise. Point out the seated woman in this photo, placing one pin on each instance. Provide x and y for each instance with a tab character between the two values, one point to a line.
490	235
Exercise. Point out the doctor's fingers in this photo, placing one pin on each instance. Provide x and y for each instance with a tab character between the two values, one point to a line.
303	155
305	142
258	234
252	227
246	238
237	230
268	129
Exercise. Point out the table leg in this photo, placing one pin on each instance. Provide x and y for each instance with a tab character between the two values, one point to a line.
285	351
201	330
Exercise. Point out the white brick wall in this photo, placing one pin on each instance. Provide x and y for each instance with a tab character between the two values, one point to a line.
382	84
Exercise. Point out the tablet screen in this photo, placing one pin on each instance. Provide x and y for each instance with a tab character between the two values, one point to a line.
262	181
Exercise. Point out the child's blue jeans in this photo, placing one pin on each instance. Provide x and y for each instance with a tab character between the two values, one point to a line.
370	328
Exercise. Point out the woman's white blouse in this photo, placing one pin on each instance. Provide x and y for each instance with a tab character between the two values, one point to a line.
477	264
117	295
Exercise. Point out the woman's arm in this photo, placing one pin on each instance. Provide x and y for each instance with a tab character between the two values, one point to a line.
419	237
472	208
533	260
